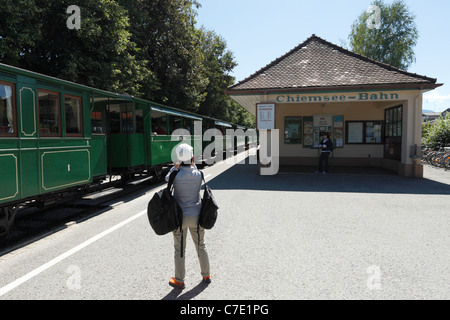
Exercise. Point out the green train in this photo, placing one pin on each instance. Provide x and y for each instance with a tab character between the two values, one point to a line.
57	136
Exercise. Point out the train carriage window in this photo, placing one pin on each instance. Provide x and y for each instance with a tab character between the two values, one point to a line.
139	115
73	112
127	122
187	124
159	123
124	118
97	126
114	118
7	114
49	113
175	123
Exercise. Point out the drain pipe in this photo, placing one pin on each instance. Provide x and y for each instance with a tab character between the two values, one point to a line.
415	159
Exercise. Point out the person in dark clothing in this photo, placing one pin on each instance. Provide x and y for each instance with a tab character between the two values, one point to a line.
327	146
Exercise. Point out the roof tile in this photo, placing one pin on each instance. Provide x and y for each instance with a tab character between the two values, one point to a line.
318	63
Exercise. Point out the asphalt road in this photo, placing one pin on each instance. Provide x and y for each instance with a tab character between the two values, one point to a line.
290	236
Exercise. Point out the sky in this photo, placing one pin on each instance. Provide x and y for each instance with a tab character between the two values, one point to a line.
259	31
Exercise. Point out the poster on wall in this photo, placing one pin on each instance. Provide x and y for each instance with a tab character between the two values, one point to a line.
265	116
308	132
322	123
355	132
338	131
293	130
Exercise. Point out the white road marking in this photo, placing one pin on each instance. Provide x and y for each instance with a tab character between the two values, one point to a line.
65	255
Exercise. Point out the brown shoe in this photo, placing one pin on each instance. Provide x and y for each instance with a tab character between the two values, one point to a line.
177	285
207	279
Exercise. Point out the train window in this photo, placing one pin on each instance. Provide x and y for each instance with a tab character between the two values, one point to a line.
159	123
121	118
73	112
49	117
187	124
139	115
114	118
127	122
175	123
97	123
7	114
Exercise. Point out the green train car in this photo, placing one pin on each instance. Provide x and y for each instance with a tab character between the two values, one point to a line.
57	136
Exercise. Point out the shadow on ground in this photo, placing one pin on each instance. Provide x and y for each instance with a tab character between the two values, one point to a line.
246	177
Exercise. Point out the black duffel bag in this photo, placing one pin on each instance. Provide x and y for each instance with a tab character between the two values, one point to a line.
208	213
164	213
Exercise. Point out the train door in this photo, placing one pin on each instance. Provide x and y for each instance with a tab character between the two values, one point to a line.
99	143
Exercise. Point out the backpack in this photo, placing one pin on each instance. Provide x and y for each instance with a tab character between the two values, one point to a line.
164	213
208	212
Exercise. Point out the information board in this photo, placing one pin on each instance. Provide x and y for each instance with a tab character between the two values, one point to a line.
265	116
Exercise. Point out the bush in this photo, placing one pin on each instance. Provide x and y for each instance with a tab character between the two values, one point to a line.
438	133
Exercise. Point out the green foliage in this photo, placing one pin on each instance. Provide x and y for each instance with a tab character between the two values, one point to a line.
100	54
165	31
438	133
394	42
150	49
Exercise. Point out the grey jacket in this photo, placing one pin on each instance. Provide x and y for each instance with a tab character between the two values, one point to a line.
187	189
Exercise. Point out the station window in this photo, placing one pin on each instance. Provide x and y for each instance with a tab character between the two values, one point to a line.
394	122
49	116
363	132
7	113
73	112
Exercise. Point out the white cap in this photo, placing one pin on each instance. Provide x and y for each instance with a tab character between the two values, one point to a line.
184	152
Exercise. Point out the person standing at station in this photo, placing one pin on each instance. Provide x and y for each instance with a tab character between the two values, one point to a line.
187	186
327	146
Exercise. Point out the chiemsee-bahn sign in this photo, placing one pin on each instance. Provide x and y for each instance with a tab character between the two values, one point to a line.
340	97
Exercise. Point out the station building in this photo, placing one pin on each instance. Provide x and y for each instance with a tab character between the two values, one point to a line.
372	111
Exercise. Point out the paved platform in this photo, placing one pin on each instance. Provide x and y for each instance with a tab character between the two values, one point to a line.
289	236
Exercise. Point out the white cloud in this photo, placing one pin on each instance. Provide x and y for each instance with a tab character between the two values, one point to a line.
435	100
435	95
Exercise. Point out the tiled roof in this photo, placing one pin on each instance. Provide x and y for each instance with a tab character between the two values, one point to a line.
317	63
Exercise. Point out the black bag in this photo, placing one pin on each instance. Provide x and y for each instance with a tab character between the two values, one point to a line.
164	213
208	212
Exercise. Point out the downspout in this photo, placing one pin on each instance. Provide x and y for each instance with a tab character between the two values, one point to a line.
415	159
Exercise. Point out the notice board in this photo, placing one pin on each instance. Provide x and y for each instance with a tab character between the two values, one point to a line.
265	116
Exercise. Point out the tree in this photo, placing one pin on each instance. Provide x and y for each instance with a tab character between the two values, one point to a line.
100	54
150	49
19	29
218	63
165	32
393	42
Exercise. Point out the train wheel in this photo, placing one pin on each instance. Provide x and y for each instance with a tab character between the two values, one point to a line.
158	173
7	216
